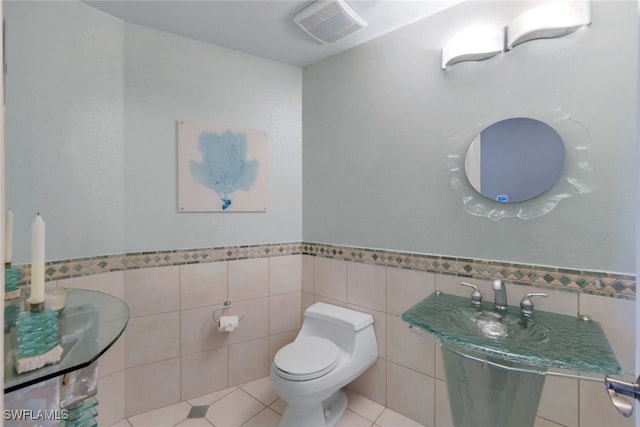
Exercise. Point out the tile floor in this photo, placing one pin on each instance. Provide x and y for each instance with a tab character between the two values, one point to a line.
255	404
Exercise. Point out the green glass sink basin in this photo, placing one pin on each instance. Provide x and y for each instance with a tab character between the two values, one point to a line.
546	340
468	321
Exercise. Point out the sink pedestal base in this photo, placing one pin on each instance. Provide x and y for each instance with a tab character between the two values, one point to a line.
484	395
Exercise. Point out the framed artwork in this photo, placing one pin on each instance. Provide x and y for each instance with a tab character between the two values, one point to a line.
221	168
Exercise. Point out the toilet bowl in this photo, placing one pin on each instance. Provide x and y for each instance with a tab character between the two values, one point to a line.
334	346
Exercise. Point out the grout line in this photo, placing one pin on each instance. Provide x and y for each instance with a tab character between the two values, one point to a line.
578	403
551	421
228	344
259	412
379	415
180	330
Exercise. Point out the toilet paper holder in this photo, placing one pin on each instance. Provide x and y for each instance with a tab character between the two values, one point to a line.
217	312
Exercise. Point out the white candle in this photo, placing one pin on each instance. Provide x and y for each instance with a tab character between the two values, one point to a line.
8	237
37	260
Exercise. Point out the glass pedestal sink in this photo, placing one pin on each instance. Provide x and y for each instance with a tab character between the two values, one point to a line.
496	362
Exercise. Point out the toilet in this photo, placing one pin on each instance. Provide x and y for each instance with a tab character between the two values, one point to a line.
334	346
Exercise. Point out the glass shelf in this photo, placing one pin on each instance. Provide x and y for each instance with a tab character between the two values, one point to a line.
89	324
546	340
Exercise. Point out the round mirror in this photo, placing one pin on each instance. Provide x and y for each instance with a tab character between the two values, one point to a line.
515	160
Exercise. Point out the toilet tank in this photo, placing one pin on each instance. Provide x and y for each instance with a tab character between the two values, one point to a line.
337	324
340	316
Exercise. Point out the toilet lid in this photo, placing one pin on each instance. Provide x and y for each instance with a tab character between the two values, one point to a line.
307	358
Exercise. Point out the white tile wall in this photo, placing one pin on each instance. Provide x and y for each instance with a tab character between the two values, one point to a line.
109	283
559	401
152	386
248	360
198	331
617	319
248	278
596	410
172	350
406	287
203	371
110	398
203	284
408	349
112	360
111	366
373	382
285	273
410	393
152	290
409	377
152	338
256	320
284	312
331	279
367	286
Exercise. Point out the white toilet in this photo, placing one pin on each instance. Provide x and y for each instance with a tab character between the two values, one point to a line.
334	346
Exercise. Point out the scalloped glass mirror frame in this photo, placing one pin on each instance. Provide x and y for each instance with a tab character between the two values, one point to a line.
577	177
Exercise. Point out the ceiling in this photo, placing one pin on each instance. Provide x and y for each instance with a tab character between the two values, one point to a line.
265	27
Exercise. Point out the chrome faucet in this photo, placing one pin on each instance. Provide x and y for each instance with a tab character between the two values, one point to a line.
500	291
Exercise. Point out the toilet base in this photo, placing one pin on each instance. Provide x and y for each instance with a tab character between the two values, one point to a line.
334	407
325	414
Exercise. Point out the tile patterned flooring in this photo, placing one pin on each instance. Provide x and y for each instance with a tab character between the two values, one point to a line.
255	404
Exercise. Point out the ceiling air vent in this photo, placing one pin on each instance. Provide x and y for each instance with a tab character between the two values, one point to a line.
328	21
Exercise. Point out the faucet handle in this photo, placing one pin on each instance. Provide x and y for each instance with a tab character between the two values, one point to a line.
476	295
526	305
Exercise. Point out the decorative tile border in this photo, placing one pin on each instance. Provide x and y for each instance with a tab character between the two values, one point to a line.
65	269
592	282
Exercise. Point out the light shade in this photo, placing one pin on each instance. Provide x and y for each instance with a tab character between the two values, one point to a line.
548	21
328	21
473	44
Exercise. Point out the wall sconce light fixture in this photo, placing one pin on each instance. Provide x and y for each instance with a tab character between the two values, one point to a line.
473	44
549	21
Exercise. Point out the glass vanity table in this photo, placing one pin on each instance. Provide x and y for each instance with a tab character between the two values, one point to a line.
88	325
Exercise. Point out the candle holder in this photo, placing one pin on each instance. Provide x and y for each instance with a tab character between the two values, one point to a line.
56	298
37	338
10	316
83	414
11	289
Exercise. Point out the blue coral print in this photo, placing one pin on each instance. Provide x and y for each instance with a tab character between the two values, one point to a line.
224	167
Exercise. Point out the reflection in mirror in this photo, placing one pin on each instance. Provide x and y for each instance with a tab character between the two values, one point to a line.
515	160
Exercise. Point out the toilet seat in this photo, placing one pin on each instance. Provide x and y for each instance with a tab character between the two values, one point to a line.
306	358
